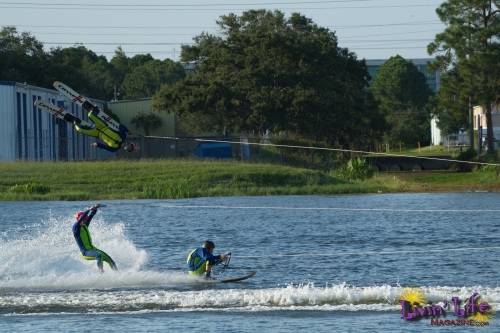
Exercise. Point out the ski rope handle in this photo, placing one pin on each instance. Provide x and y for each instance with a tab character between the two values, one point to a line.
225	263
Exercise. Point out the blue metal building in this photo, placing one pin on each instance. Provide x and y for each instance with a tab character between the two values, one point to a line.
27	133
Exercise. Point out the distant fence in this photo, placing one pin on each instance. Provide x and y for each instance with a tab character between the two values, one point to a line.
168	148
188	147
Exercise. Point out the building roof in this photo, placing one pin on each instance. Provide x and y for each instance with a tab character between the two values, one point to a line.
53	91
25	85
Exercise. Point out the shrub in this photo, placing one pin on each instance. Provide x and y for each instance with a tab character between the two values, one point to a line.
467	155
495	170
30	188
355	169
168	190
307	158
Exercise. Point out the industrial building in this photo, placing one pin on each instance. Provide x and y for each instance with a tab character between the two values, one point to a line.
151	146
30	134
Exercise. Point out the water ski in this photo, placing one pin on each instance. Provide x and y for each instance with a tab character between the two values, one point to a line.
74	96
237	278
228	279
59	112
86	104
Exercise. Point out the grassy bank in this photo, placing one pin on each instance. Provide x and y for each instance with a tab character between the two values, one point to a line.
187	178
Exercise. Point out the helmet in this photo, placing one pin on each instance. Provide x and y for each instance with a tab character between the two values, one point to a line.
78	215
129	147
208	245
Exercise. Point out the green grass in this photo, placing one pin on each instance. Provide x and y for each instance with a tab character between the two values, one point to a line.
167	179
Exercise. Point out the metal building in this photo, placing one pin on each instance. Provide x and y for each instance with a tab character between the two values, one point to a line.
127	110
27	133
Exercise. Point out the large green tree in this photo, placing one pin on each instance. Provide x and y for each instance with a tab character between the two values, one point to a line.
470	46
122	64
269	72
83	70
145	79
403	96
22	57
452	103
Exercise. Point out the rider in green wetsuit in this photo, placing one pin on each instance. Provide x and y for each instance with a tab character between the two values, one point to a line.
110	137
84	241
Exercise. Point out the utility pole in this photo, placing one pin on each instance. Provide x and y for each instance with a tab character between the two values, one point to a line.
471	123
115	94
471	109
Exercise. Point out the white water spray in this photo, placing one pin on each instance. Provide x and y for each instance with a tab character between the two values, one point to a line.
49	258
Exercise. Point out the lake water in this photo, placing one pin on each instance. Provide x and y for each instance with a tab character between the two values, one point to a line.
324	263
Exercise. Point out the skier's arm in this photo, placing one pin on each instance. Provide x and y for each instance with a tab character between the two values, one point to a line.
88	215
214	260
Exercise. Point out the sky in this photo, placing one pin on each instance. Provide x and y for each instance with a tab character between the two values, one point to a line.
373	29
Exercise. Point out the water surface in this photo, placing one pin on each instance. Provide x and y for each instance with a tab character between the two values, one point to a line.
324	263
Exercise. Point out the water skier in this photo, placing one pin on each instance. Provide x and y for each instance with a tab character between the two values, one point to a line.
110	134
201	260
84	241
109	138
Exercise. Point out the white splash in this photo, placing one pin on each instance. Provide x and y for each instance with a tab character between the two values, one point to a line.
49	259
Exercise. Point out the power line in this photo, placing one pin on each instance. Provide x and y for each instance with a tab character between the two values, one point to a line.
385	40
115	43
382	41
386	25
396	47
111	34
137	52
424	47
110	27
190	34
208	9
389	34
409	23
187	5
171	52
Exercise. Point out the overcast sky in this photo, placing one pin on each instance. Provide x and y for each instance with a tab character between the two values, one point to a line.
373	29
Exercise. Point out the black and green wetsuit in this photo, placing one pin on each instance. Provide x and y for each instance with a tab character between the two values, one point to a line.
111	135
84	241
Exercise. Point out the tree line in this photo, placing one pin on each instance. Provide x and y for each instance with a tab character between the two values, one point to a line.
264	73
23	59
